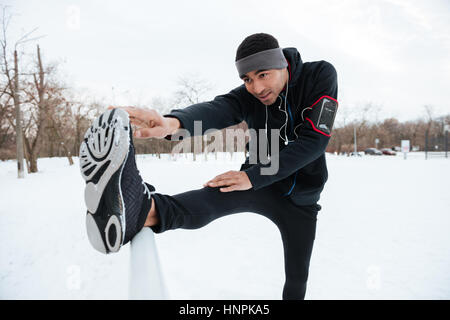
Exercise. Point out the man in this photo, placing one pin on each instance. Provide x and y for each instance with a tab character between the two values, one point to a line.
279	92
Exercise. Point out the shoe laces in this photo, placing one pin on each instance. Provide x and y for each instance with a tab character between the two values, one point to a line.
147	190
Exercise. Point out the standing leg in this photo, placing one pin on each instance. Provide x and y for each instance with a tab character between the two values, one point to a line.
297	224
298	228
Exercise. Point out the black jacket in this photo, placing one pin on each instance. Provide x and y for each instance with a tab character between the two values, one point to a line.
302	167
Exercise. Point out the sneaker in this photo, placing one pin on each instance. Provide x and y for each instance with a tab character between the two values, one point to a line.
117	199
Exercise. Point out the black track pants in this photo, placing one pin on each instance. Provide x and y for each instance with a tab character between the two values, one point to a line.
297	224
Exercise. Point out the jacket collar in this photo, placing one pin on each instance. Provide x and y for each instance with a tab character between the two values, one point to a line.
295	65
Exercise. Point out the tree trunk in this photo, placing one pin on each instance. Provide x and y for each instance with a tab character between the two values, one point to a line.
77	135
31	157
19	134
33	163
68	154
27	158
51	149
60	139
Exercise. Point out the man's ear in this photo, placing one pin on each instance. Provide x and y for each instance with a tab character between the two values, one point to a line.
286	74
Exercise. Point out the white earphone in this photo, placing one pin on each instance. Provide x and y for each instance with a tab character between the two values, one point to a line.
286	140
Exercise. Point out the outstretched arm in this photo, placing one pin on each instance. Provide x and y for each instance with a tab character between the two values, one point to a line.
149	123
221	112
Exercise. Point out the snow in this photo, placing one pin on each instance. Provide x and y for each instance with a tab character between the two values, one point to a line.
382	233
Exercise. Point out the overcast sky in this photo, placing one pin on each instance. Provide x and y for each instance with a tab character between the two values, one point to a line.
394	54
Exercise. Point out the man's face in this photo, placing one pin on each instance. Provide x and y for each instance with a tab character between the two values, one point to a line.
266	85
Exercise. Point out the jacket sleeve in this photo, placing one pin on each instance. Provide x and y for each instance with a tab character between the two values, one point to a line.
311	142
224	111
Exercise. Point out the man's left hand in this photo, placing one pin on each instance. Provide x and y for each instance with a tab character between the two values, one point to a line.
232	180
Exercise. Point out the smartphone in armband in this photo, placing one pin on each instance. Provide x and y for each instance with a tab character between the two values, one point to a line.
322	114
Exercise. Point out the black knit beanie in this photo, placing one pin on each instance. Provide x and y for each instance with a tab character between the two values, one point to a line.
255	43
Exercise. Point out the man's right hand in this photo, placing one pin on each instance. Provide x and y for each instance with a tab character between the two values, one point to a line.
149	123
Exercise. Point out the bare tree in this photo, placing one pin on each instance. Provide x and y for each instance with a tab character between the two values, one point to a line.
38	99
191	91
82	113
429	111
6	127
12	81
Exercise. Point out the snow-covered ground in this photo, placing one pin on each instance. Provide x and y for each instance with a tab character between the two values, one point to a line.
383	233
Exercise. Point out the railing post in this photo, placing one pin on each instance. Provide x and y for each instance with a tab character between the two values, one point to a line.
145	276
446	143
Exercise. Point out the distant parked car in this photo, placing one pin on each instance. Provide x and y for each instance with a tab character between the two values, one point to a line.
388	152
355	154
373	151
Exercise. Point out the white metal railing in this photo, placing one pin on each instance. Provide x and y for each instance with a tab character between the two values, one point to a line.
146	280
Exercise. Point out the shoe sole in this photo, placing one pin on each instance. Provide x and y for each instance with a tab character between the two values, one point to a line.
103	154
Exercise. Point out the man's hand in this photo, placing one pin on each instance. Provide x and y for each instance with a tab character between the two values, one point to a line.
149	123
233	180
